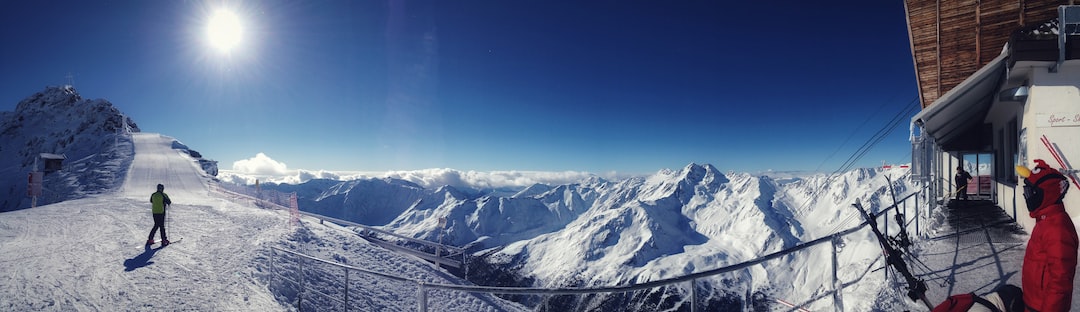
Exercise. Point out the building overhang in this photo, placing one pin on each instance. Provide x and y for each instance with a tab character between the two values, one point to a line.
956	119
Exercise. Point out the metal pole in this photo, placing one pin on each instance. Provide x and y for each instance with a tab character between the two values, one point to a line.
300	294
33	202
838	300
917	209
346	288
748	304
437	249
904	222
273	254
422	298
693	295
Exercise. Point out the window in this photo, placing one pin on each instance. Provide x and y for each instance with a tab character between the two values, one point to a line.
1012	143
1000	158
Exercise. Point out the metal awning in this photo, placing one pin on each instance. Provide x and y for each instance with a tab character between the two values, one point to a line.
956	119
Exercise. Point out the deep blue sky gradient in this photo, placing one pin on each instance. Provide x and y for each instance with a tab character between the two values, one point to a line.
598	86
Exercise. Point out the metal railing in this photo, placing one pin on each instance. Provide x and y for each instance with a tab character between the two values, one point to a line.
691	279
438	257
273	200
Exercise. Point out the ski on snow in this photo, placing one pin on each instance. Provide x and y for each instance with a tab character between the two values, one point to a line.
170	242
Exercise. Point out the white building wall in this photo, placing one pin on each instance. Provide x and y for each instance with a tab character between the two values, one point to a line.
1052	94
1006	120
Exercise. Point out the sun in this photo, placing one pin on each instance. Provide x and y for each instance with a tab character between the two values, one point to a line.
224	31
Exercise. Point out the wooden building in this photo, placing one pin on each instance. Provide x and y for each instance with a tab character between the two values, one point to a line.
950	40
1000	80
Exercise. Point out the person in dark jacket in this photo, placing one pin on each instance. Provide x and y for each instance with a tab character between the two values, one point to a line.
158	202
1050	258
962	178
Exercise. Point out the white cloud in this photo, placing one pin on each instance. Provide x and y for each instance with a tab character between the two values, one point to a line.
235	178
304	175
260	165
432	178
427	178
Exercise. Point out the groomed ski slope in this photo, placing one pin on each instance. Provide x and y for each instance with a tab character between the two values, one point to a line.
89	254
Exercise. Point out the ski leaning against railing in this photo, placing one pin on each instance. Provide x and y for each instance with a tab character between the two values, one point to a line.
893	257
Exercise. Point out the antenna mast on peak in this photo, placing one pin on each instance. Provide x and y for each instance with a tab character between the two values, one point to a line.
70	79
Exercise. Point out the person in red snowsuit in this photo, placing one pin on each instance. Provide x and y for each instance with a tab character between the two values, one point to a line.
1050	258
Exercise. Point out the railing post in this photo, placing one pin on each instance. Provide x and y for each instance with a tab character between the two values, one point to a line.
838	288
917	209
346	288
693	295
437	252
273	254
300	294
421	299
748	304
904	222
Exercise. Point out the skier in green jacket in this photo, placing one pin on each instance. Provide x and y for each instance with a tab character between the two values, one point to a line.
159	200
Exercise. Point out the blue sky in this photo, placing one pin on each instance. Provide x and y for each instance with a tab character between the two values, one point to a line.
596	86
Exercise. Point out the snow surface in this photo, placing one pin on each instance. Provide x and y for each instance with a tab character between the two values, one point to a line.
88	254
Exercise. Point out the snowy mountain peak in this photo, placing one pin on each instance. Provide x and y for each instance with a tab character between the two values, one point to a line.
92	134
451	192
533	190
52	98
684	183
705	173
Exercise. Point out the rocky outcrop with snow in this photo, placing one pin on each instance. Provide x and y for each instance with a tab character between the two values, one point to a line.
91	134
208	166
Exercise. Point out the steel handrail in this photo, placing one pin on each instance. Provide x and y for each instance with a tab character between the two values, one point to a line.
621	288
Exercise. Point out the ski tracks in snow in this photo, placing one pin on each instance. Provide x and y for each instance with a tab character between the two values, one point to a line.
82	255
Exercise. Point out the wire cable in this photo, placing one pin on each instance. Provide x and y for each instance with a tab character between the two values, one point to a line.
858	154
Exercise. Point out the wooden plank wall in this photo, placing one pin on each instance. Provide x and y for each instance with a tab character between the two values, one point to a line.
951	39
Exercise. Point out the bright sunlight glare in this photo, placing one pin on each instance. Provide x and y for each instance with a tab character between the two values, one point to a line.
224	30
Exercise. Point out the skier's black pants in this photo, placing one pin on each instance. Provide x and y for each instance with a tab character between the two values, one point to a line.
159	222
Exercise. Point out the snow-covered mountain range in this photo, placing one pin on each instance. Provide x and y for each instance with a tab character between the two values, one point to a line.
591	233
601	233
